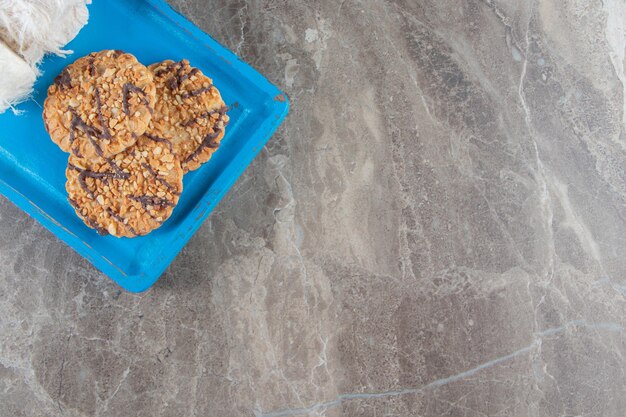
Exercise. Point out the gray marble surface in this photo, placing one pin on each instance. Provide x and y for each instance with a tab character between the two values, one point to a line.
439	228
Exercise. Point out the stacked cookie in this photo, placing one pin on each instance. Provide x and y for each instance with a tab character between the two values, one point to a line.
132	132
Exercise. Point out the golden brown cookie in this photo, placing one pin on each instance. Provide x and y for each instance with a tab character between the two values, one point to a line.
99	105
129	194
189	112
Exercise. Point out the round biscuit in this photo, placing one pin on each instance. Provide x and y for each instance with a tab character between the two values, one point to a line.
189	112
129	194
99	105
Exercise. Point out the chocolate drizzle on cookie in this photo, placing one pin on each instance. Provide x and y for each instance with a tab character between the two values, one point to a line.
176	81
167	69
205	115
143	97
90	222
197	92
207	142
188	75
151	201
83	174
119	173
172	84
94	225
195	120
92	67
159	179
82	179
121	220
91	132
160	140
63	80
105	130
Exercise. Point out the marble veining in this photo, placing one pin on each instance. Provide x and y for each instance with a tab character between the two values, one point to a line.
437	229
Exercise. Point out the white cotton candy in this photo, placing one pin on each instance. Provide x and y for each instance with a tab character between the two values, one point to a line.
32	29
16	82
37	27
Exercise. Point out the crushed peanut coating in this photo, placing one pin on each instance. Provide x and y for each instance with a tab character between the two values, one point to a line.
189	112
99	105
129	194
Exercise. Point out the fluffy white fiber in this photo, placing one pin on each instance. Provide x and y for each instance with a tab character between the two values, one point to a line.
36	27
33	28
17	78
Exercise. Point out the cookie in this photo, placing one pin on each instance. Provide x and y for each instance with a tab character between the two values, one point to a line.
129	194
189	112
99	105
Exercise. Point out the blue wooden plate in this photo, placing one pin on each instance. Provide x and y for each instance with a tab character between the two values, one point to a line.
32	168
